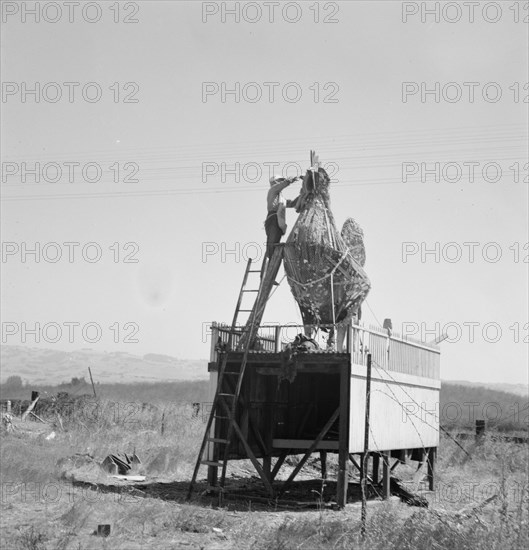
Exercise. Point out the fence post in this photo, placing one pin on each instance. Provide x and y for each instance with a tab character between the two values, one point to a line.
365	455
480	429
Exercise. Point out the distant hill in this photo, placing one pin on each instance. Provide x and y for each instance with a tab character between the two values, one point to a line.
44	366
461	404
518	389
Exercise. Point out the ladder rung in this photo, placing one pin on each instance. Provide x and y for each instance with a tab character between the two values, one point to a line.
246	310
251	290
231	372
211	463
222	417
226	395
254	271
217	440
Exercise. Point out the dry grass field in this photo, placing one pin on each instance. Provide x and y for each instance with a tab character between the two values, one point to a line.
54	494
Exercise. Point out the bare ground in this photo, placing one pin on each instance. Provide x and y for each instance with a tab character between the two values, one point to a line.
54	496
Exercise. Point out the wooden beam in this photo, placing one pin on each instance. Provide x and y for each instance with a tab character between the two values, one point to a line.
358	466
278	464
376	467
267	466
323	463
386	475
249	452
311	449
272	359
302	444
343	438
355	463
300	367
365	455
248	420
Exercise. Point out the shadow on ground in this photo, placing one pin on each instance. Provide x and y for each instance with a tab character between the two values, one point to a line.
240	493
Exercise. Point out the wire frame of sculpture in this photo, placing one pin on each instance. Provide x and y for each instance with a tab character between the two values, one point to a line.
320	267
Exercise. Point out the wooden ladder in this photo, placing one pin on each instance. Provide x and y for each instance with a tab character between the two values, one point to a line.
224	405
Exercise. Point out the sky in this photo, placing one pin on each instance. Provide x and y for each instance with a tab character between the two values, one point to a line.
165	229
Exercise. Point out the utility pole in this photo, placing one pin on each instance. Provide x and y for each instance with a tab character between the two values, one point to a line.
92	380
363	481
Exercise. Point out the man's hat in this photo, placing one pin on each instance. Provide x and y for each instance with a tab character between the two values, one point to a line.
276	179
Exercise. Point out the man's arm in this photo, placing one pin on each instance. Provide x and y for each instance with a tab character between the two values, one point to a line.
277	188
274	191
293	203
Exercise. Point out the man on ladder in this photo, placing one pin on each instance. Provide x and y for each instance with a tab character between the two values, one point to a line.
275	223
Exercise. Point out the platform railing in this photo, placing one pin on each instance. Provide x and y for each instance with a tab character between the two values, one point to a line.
389	351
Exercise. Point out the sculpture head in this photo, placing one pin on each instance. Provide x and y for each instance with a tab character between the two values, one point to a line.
315	184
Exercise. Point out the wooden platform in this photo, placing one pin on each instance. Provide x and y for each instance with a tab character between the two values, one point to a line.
300	403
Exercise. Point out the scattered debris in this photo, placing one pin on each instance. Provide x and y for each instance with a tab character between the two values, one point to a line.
130	478
121	463
405	495
37	417
103	530
7	423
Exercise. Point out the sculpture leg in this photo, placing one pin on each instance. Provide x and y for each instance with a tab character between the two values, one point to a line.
340	336
331	340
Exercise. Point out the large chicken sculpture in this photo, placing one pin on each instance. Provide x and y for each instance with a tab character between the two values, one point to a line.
324	267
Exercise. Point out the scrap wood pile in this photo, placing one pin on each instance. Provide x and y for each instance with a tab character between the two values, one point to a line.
323	266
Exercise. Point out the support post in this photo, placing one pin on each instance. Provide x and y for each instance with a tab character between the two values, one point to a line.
267	467
365	455
432	452
278	464
323	463
212	476
376	467
386	475
343	445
